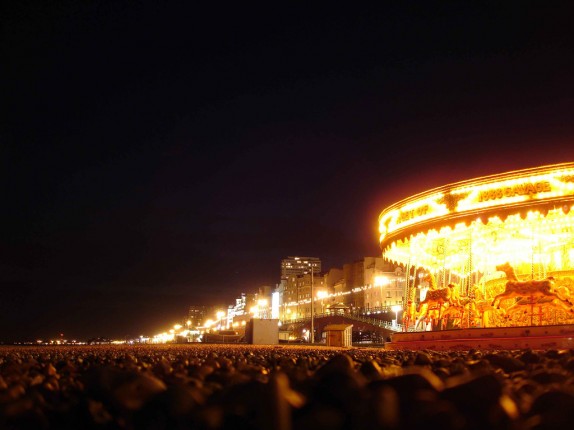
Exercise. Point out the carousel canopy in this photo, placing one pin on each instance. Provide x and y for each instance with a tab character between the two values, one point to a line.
471	226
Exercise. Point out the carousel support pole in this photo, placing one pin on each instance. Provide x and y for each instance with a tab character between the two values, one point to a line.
555	317
439	319
469	286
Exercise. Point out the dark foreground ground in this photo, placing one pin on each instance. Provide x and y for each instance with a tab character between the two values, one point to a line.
282	387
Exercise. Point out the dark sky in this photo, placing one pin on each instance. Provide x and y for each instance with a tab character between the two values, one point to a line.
156	156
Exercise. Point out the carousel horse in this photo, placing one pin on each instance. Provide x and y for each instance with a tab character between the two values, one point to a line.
564	292
534	288
460	308
540	301
454	313
410	311
480	306
441	297
447	294
410	314
430	279
526	309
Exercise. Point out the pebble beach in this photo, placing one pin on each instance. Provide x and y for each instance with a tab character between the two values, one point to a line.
283	387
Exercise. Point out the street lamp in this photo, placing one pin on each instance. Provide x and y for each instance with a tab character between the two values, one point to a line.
396	309
312	336
321	295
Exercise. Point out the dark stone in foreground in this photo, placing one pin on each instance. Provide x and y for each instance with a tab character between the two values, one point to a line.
282	387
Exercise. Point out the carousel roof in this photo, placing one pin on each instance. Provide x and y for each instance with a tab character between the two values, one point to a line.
483	199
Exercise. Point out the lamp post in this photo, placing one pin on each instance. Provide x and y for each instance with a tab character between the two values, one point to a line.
396	309
312	337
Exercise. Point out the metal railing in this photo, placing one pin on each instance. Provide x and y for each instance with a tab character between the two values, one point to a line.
369	320
377	322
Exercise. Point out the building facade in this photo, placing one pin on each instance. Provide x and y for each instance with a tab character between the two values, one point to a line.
196	316
293	266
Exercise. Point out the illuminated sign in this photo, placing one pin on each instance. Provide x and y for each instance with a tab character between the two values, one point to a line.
482	194
275	300
413	213
528	188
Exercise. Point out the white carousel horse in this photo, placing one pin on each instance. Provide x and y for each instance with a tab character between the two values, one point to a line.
533	289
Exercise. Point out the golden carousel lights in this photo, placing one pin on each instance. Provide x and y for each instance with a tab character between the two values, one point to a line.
462	231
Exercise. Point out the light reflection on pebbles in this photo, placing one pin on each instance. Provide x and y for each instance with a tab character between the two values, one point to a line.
282	387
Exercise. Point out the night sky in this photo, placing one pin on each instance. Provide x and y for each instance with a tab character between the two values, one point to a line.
157	156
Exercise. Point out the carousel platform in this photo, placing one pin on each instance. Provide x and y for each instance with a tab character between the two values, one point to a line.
530	337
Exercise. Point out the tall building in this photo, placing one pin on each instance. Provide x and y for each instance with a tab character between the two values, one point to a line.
294	266
293	271
319	284
196	315
297	294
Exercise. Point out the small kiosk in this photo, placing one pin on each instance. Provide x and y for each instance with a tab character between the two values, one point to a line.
262	332
339	334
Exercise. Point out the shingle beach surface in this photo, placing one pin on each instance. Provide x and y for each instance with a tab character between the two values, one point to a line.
282	387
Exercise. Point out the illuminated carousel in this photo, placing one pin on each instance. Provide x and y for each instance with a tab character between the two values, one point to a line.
487	256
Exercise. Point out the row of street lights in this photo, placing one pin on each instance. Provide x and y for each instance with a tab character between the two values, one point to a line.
178	330
259	310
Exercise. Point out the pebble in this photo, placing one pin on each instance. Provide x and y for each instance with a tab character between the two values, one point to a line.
216	387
